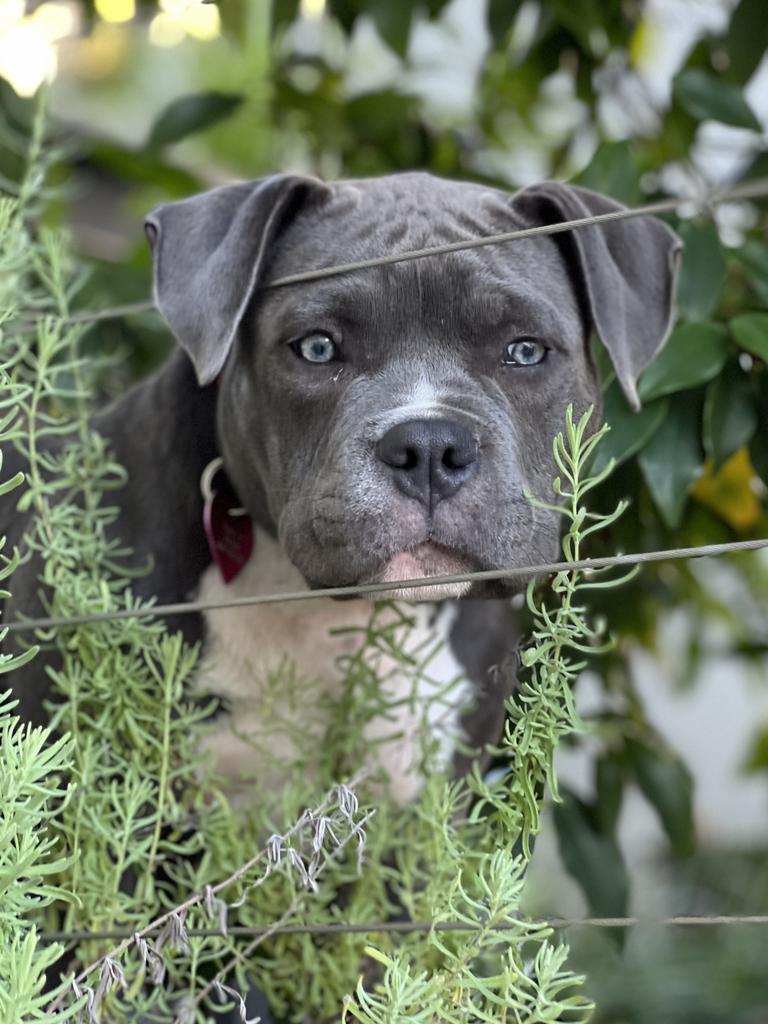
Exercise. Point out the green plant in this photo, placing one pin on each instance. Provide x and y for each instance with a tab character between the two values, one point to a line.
147	843
32	763
560	90
31	768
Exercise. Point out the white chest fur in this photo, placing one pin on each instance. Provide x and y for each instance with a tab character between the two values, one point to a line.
253	653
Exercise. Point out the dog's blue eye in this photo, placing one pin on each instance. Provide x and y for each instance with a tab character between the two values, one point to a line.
317	348
525	352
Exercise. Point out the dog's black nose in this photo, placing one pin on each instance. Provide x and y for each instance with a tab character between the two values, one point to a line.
430	459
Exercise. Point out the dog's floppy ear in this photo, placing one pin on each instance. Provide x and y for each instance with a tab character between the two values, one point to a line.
209	252
626	271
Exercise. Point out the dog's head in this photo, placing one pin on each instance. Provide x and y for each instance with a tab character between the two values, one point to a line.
385	423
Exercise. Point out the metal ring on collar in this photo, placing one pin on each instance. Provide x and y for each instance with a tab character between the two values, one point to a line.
206	477
206	484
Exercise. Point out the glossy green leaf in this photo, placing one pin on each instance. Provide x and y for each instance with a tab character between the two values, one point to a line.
673	458
143	167
751	333
703	270
609	791
694	354
190	114
666	784
758	448
393	20
730	414
753	256
757	167
283	11
757	758
746	40
592	858
630	431
379	115
613	171
588	21
705	95
234	18
501	17
602	361
758	454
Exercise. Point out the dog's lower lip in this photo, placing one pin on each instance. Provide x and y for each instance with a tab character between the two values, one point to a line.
431	550
416	562
422	561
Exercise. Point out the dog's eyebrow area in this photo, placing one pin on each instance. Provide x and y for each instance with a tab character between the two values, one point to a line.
450	300
520	311
346	302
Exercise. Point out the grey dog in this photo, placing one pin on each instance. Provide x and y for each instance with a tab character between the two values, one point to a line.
377	425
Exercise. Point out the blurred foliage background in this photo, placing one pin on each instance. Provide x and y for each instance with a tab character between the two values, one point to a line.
639	100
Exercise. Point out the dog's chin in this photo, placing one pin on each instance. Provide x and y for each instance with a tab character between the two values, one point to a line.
421	563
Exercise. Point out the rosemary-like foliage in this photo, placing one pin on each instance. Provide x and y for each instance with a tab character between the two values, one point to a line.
147	841
31	769
32	764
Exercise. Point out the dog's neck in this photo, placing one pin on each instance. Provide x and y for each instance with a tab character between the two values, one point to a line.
277	667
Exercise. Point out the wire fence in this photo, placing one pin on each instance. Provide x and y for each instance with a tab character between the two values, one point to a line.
411	927
704	203
483	576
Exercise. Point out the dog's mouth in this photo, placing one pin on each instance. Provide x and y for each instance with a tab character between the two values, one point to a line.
421	563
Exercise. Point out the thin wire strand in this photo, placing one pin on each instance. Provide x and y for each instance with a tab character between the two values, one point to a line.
748	190
113	313
87	316
757	189
411	927
486	575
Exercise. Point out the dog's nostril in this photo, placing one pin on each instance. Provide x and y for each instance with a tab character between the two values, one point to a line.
411	458
453	459
400	457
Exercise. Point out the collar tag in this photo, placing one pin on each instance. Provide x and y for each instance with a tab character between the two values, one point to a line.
230	537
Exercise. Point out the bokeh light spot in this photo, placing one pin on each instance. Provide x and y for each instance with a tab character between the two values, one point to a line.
312	9
28	52
166	30
116	10
180	18
202	21
27	58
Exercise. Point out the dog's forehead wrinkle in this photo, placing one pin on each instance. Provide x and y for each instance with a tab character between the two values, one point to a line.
376	216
